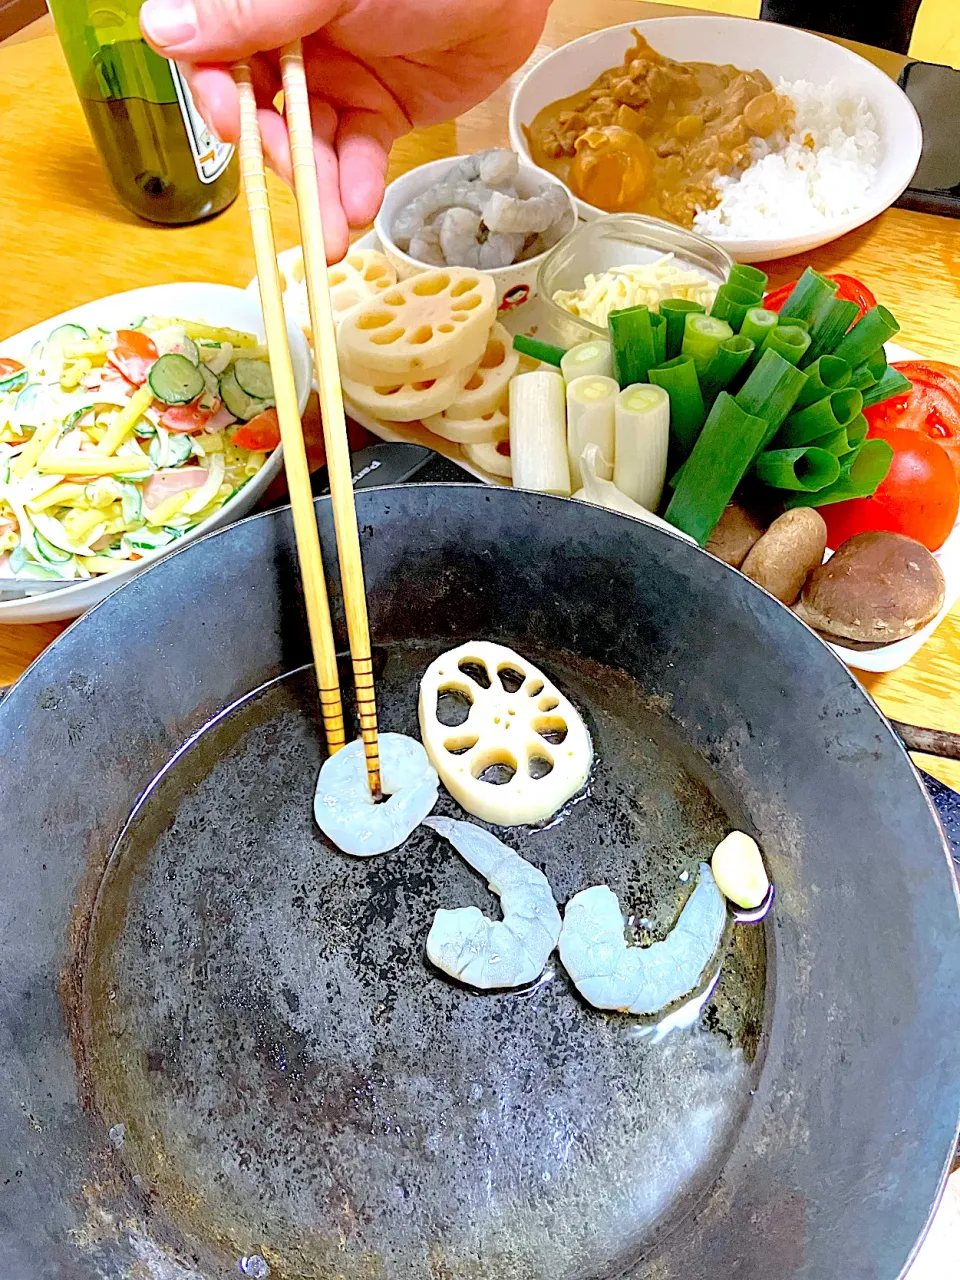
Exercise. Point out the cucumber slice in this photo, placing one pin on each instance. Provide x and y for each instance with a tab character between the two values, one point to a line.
175	380
179	449
146	540
65	335
211	394
14	381
131	502
47	551
253	377
237	401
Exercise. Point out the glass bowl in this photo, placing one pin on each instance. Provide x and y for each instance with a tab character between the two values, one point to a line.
616	240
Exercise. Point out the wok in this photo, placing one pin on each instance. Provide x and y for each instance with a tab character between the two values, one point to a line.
222	1047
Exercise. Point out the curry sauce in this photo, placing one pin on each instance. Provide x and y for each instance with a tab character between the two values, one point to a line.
652	135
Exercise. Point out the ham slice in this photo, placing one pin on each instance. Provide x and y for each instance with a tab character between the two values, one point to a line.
222	418
164	484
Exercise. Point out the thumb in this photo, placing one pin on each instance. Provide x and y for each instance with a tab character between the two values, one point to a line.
225	30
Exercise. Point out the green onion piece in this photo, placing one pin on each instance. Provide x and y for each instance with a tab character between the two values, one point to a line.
805	470
824	376
720	459
751	279
893	383
877	363
757	324
679	379
804	426
861	379
861	473
675	312
702	336
632	342
832	323
732	304
544	351
867	336
835	442
771	391
856	431
810	294
725	366
789	341
659	326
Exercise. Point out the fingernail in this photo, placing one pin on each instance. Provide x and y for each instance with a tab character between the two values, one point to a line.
169	22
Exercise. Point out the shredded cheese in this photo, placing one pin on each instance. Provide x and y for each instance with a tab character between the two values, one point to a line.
636	284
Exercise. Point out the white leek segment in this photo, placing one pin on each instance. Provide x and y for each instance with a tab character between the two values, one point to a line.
604	493
586	359
591	405
538	433
642	440
517	719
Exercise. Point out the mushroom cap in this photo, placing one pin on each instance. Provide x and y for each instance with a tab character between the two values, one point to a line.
876	588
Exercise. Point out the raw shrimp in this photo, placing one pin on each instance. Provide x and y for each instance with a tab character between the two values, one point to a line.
494	168
345	810
535	214
459	235
611	975
425	246
492	954
500	250
446	195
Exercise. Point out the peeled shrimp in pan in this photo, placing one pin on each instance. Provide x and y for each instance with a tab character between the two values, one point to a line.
492	954
609	974
346	811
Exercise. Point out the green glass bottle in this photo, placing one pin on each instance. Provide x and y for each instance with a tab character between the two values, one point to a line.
163	163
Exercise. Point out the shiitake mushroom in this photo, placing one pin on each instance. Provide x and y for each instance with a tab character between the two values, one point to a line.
876	588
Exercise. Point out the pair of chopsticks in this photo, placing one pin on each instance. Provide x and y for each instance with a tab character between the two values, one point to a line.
299	126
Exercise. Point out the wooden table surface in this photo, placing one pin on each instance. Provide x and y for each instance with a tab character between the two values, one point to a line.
65	240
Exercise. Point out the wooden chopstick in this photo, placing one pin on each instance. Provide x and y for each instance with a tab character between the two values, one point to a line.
288	413
300	129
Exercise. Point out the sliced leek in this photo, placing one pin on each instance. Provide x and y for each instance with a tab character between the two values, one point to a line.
538	433
588	358
642	438
600	492
591	405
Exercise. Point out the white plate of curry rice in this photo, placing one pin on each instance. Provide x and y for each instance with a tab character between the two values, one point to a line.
768	140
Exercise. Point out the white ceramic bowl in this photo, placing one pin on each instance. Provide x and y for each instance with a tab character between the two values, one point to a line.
518	281
769	47
215	304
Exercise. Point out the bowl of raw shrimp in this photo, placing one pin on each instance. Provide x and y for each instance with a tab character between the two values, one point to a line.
491	212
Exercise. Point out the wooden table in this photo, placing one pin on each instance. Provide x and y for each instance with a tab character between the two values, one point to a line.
65	240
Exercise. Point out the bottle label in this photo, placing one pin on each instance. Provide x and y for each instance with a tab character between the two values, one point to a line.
210	156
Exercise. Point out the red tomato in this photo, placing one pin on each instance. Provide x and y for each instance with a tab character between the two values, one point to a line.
851	290
261	434
8	366
185	418
932	408
133	355
920	496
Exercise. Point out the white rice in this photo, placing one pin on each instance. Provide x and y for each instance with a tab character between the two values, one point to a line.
822	172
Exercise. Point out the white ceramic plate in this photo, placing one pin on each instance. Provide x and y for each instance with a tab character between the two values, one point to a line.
215	304
778	51
532	317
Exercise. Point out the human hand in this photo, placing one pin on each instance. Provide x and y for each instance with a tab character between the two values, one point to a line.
375	69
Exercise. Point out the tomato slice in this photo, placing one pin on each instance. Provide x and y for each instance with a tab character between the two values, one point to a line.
185	418
261	434
8	366
932	408
133	355
851	290
919	497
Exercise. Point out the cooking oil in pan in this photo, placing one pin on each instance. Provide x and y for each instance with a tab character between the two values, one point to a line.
296	1083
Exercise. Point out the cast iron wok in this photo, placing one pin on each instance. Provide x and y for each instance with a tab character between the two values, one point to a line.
221	1045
